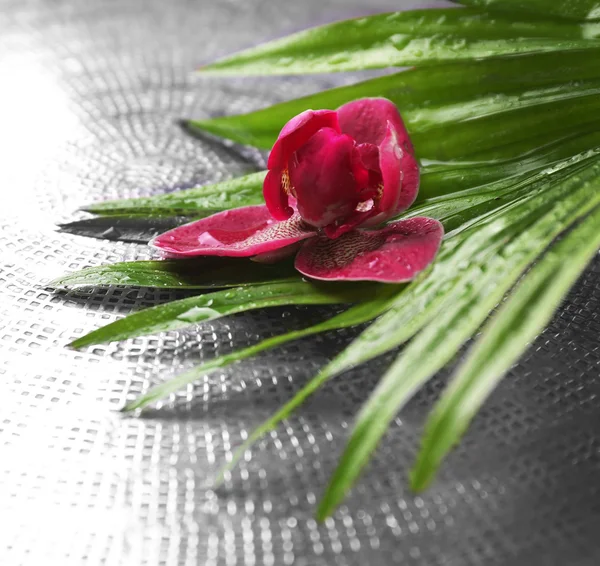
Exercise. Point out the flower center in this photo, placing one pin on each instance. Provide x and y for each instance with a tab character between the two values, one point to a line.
287	184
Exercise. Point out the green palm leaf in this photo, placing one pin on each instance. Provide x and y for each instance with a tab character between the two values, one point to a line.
431	97
207	273
406	38
358	314
505	130
192	310
576	10
461	313
195	202
505	338
408	310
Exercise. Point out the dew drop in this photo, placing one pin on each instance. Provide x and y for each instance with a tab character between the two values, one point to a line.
197	314
111	232
206	239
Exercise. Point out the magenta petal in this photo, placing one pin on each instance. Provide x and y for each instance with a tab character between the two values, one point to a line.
366	121
276	197
240	232
277	255
400	172
369	154
297	132
393	254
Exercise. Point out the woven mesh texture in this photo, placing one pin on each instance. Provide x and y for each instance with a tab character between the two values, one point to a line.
89	97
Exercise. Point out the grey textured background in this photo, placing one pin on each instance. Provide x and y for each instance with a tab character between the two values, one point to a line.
89	95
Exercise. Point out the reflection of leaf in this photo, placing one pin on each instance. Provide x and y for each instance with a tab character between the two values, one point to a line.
182	313
136	229
506	336
404	39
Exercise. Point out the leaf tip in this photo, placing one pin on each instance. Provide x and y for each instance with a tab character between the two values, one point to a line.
129	407
420	477
214	68
193	127
219	479
92	207
56	284
323	511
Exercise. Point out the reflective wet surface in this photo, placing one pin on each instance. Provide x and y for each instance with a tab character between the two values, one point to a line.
90	95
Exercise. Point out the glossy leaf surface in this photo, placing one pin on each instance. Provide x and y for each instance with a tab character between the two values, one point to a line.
192	310
358	314
521	318
178	274
194	202
404	39
459	313
571	9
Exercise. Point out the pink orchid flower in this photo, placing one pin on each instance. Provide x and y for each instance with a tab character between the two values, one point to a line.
329	172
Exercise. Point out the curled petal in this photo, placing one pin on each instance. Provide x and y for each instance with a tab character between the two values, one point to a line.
396	253
277	199
241	232
297	132
328	176
400	172
376	121
366	121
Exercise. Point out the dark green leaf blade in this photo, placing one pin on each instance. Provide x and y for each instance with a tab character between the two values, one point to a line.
466	259
201	273
405	39
403	316
549	120
507	335
575	10
192	310
195	202
464	135
460	316
501	168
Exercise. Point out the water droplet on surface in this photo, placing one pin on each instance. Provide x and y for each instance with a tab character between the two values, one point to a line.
400	40
197	314
110	233
206	239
